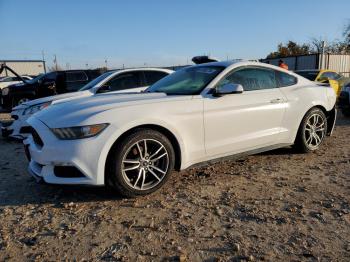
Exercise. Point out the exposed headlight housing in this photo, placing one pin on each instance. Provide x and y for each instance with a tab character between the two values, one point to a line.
36	108
78	132
5	91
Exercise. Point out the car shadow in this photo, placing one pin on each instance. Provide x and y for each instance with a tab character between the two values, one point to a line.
280	152
33	193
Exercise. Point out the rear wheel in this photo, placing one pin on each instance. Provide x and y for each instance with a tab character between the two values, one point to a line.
312	131
141	163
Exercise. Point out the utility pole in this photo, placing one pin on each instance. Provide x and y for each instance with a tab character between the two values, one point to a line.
43	56
106	64
55	62
322	56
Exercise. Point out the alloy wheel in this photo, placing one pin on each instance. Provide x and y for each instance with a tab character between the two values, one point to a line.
145	164
314	130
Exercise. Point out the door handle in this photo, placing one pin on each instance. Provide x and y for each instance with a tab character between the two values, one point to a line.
276	101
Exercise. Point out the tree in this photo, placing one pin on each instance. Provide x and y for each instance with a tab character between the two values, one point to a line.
346	33
291	48
334	47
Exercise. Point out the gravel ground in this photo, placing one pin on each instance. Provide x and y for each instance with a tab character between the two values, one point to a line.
276	206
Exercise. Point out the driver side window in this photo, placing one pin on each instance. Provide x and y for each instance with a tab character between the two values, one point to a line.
253	78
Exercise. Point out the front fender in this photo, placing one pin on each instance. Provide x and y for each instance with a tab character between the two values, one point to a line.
119	131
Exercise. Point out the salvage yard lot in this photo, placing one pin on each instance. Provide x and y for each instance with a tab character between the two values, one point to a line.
273	206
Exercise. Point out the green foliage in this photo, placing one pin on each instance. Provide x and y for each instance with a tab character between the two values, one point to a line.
316	45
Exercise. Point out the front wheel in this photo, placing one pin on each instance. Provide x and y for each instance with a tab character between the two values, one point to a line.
141	163
312	131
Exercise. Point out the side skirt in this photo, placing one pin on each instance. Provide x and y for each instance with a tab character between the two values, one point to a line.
239	155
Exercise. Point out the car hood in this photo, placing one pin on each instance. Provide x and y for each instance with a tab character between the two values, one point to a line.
65	114
54	99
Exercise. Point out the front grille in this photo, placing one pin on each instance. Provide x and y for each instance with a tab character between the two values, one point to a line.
67	172
36	138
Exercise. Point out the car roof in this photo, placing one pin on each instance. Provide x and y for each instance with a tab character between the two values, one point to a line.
169	71
308	70
240	62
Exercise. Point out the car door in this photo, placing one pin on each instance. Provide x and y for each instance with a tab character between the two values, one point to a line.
125	82
241	122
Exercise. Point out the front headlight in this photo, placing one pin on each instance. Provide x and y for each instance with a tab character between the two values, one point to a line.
36	108
5	91
78	132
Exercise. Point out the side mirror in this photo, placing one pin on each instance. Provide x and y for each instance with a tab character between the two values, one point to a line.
104	89
228	89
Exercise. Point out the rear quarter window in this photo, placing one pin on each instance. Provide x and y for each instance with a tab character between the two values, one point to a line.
285	79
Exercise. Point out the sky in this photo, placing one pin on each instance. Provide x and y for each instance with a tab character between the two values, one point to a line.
84	34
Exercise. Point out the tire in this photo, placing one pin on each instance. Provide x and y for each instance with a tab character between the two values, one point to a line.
311	134
21	100
133	173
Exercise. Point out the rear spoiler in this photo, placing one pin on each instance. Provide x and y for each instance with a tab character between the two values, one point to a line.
3	66
203	59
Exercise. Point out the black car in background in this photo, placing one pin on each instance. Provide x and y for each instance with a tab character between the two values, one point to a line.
49	84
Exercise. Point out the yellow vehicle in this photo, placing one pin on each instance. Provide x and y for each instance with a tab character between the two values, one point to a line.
335	79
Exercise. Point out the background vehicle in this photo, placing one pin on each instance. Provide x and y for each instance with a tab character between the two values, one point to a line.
344	100
333	78
132	142
10	80
127	80
46	85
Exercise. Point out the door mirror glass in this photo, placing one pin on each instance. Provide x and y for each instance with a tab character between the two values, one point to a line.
228	88
104	89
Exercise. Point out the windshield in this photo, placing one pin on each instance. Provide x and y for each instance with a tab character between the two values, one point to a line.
311	75
94	82
35	79
187	81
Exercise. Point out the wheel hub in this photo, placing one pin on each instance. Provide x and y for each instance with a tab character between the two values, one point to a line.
145	164
314	130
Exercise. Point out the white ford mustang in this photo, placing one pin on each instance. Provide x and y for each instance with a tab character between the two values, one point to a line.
133	141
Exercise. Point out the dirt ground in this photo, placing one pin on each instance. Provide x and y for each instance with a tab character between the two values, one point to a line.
276	206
